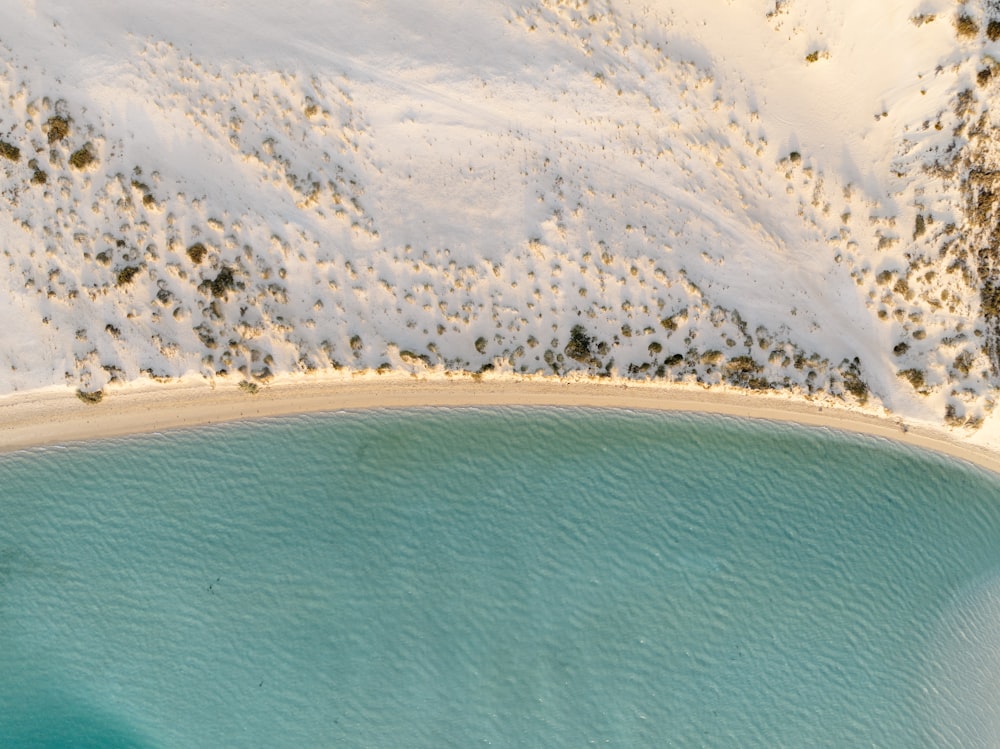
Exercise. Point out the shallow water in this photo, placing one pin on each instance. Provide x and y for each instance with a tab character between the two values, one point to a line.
510	577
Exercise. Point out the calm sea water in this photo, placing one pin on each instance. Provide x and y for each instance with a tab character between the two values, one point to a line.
502	577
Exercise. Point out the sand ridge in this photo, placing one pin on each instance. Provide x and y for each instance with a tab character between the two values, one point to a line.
57	416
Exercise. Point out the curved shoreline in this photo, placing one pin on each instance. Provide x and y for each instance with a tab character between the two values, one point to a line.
57	416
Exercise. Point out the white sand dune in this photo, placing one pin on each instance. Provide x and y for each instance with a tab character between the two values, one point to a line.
792	197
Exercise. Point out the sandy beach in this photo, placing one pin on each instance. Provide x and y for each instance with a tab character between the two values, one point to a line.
48	417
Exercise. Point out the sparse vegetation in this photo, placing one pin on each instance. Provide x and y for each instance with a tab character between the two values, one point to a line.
744	371
853	382
58	128
993	30
126	275
914	376
90	396
580	346
963	363
10	151
250	388
82	157
965	26
197	252
223	282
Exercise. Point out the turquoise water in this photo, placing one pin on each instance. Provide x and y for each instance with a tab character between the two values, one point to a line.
503	577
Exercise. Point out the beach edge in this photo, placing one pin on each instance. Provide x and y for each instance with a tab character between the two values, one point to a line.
56	416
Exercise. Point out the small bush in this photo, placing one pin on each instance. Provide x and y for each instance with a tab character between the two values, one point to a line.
223	282
126	274
900	348
812	56
481	345
920	226
82	158
251	388
655	348
853	382
673	360
356	343
966	27
10	151
58	128
580	345
197	252
914	376
94	396
39	177
993	30
963	363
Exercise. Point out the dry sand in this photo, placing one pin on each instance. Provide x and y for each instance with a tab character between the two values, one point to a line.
57	416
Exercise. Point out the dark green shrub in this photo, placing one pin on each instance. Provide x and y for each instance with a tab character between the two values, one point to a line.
914	376
95	396
10	151
853	383
82	158
251	388
481	345
223	282
197	252
965	26
580	345
58	128
990	299
126	274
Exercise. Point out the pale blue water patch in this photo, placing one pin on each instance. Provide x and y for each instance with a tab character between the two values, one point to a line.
505	577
